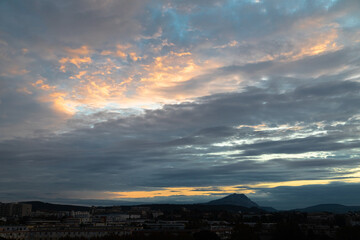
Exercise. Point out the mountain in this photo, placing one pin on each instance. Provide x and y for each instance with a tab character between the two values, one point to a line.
235	200
333	208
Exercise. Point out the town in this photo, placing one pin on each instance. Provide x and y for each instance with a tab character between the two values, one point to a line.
40	221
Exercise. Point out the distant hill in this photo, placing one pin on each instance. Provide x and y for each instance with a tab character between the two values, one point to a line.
50	207
268	209
41	206
202	207
333	208
235	200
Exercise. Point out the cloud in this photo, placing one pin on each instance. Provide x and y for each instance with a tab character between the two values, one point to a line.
91	22
76	61
142	99
22	115
83	50
170	147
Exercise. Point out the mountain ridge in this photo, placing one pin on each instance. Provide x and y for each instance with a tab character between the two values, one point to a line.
234	199
333	208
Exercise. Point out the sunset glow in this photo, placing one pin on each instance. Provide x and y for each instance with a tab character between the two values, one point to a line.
179	100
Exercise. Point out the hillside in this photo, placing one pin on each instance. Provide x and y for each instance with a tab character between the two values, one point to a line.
235	200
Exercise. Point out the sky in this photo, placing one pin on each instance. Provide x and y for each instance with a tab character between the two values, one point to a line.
180	101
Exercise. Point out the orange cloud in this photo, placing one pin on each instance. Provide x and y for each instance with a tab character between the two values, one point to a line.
41	85
318	44
106	52
171	69
169	72
134	57
144	85
84	50
97	92
101	85
74	60
320	37
76	56
184	191
298	183
163	192
61	103
60	100
207	191
81	73
120	52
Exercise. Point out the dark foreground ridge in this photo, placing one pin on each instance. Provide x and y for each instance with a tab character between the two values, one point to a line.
42	206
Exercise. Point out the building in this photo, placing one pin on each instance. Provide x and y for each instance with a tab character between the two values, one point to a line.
15	209
55	233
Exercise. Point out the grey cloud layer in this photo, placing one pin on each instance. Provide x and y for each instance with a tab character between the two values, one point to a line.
288	117
172	146
80	22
